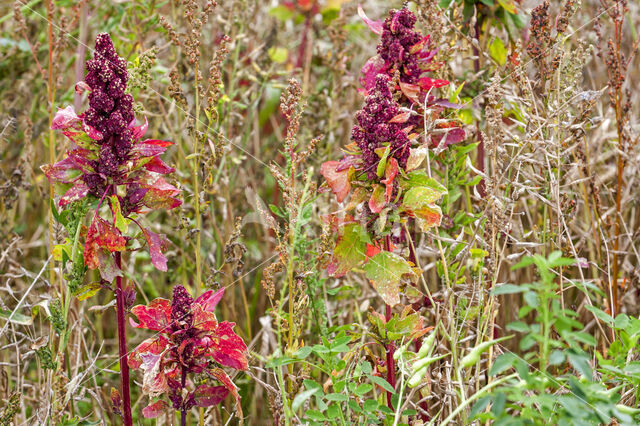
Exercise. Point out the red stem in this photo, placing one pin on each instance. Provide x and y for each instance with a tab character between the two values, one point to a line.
390	347
183	412
122	347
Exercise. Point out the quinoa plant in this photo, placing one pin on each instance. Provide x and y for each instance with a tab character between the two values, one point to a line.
109	160
382	165
190	340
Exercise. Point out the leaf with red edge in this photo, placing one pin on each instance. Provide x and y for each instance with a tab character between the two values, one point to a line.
155	316
139	131
403	117
223	378
155	345
151	147
202	319
156	165
411	91
228	348
157	244
455	135
378	199
349	251
370	71
338	180
209	299
424	41
65	118
161	194
427	83
375	26
64	171
101	235
154	381
207	396
390	172
154	410
385	271
75	193
92	132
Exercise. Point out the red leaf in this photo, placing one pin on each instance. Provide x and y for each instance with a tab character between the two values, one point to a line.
411	91
427	83
64	171
420	45
390	173
209	299
101	235
228	348
338	180
370	70
157	243
202	319
139	131
403	117
375	26
156	316
372	250
150	147
154	345
75	193
92	132
154	410
154	381
207	396
377	200
156	165
223	378
65	118
161	194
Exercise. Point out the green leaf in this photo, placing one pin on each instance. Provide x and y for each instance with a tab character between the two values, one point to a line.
382	383
622	321
370	405
121	223
303	352
350	250
363	389
386	271
301	398
518	326
581	363
600	314
337	397
508	289
419	196
498	51
382	164
87	291
502	363
16	317
315	415
278	55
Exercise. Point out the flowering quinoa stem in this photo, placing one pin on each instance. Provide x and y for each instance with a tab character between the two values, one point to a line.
122	347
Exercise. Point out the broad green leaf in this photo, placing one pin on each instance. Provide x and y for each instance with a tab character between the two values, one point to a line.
16	317
382	383
386	271
417	197
350	250
121	223
301	398
509	289
502	363
498	51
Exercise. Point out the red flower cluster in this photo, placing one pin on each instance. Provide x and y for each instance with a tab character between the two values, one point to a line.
190	340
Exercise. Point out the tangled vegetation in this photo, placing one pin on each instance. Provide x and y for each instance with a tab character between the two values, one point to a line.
319	212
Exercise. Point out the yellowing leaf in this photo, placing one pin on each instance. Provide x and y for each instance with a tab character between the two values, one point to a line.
121	223
349	251
386	271
498	51
377	200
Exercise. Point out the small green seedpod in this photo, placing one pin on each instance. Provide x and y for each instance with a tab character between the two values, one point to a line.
427	345
473	357
417	377
425	362
399	352
627	410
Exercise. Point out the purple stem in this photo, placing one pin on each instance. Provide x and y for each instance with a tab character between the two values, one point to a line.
122	347
183	411
390	347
